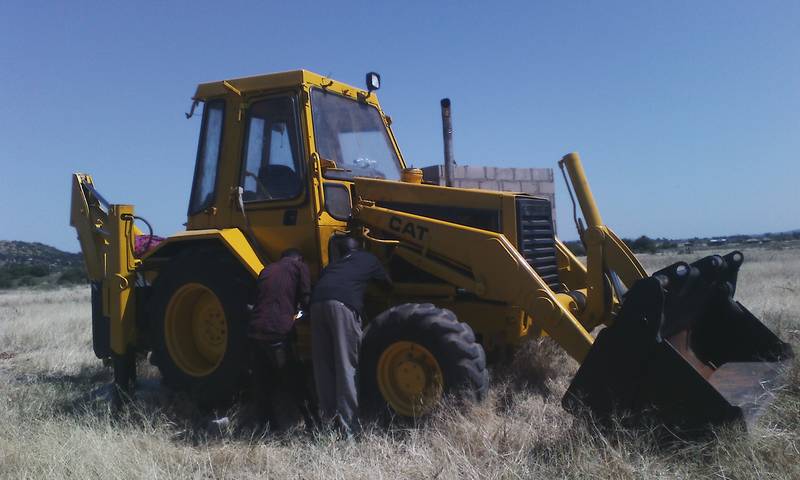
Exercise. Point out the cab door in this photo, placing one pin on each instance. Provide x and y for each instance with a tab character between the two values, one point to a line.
275	180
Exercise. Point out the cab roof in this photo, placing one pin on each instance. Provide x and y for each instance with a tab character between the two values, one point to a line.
273	81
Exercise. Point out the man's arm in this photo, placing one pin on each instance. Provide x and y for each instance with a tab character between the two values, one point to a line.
304	286
380	275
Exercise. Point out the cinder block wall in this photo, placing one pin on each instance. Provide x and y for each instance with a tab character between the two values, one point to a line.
535	181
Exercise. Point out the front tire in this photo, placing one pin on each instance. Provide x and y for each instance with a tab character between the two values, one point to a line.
198	325
414	354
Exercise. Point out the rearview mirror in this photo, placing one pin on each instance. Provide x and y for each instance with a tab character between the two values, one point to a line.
373	81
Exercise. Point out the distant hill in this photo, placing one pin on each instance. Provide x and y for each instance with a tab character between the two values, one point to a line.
35	253
34	264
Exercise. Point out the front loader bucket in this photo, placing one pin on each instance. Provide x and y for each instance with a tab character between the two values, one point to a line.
682	351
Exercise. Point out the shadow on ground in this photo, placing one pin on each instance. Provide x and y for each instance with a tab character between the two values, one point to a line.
89	395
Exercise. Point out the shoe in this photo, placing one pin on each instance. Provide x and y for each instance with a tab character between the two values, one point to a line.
218	425
341	426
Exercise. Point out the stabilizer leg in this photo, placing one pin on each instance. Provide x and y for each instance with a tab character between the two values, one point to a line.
124	385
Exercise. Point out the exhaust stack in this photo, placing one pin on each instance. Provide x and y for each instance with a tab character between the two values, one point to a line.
447	134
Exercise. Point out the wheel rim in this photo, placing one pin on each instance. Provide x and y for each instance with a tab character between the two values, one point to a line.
410	379
196	329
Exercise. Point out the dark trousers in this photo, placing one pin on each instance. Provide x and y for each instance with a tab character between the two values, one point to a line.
279	385
335	341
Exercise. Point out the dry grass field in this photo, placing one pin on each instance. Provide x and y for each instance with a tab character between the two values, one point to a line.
55	420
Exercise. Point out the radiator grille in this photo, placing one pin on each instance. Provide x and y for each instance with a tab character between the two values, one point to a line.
536	238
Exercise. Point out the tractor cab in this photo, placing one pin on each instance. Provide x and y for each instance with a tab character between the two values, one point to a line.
272	148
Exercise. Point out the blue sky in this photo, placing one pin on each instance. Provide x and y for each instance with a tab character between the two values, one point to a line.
686	114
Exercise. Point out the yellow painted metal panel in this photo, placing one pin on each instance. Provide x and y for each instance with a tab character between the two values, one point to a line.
399	192
508	220
233	238
582	191
261	83
89	221
120	278
571	271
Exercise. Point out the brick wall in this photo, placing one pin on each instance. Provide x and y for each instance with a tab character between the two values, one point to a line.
535	181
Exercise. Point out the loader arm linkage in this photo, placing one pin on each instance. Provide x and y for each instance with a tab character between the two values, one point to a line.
488	265
484	263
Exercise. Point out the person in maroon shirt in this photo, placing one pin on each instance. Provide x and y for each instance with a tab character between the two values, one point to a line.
282	288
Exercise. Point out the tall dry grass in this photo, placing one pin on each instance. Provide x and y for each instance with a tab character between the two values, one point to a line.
55	421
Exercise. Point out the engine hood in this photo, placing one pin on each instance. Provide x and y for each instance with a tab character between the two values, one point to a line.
475	208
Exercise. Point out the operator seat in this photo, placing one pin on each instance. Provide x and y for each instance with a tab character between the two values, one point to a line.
281	181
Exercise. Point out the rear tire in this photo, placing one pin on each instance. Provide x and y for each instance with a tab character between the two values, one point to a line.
414	348
198	319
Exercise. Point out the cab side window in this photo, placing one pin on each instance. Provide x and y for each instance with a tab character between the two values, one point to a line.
272	166
208	151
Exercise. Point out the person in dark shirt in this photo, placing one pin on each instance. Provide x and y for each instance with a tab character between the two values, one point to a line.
282	287
336	309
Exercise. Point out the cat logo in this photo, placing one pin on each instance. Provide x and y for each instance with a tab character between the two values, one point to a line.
409	228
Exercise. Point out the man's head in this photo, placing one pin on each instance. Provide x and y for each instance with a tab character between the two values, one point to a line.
347	245
292	253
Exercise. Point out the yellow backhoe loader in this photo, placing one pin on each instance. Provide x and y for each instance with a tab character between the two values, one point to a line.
297	159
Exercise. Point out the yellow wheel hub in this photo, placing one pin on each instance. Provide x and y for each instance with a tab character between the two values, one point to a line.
195	329
410	379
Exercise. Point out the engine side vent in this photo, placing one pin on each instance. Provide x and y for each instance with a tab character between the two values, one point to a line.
536	238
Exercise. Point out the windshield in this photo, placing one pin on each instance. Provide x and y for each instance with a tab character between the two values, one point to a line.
353	135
